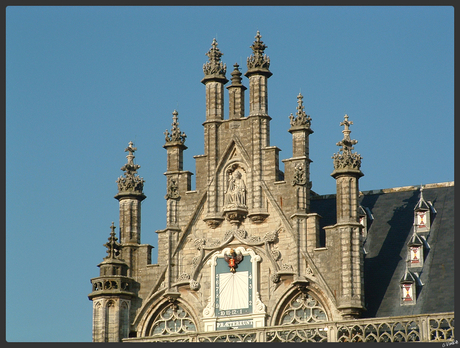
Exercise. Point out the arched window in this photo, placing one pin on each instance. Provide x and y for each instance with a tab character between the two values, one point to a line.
98	329
172	319
302	308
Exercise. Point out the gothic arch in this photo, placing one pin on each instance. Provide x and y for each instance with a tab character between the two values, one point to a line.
166	318
301	306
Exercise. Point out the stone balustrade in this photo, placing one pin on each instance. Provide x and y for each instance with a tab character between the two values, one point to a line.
419	328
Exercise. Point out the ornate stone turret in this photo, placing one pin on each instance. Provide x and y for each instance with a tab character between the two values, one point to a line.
130	196
175	145
112	293
214	80
300	130
347	173
258	73
297	174
178	183
236	95
178	180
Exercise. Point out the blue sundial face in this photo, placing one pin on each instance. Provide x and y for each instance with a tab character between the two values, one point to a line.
233	290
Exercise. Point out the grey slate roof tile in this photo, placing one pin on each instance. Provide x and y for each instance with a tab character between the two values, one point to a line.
386	246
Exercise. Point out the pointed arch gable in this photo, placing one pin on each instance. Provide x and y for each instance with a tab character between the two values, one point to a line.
235	143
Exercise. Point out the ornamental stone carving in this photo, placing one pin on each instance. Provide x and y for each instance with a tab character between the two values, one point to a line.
300	176
258	59
175	137
235	195
130	182
113	247
209	310
345	158
194	285
172	189
259	306
301	119
214	66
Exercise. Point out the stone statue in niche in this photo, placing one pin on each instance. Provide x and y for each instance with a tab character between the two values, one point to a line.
236	190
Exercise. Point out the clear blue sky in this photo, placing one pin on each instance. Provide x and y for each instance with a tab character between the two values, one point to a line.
81	82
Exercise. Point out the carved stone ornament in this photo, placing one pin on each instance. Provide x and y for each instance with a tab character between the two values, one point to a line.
214	66
235	209
233	258
258	59
345	158
194	285
286	267
130	182
175	137
275	278
184	276
113	247
301	119
172	189
259	306
209	310
300	176
235	195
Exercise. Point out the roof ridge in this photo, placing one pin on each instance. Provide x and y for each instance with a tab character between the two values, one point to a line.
390	190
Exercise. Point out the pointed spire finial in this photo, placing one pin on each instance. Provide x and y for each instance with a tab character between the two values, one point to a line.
301	119
236	75
214	66
113	247
131	151
345	158
130	181
258	59
422	204
175	136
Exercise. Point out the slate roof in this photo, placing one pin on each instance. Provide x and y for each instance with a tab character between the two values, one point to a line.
386	247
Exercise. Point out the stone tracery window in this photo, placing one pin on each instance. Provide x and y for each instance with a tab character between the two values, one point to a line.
172	319
303	308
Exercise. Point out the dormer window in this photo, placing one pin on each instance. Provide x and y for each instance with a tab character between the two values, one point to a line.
407	289
365	219
422	210
407	295
422	220
415	251
415	255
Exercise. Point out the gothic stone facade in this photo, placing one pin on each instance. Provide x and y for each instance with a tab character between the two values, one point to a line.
242	250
